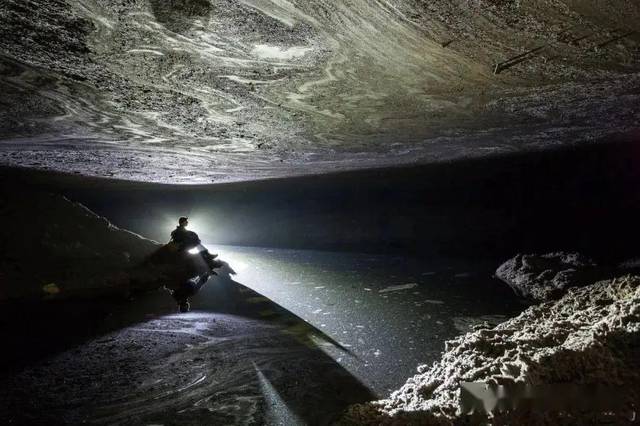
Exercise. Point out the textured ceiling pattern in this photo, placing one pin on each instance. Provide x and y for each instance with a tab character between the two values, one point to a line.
201	91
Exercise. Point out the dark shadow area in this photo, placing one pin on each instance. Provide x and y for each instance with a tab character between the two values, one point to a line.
94	359
178	15
34	330
580	198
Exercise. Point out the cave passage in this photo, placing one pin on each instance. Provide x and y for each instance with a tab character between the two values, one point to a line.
345	284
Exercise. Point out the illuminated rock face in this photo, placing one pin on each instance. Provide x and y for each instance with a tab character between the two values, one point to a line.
548	276
586	338
201	91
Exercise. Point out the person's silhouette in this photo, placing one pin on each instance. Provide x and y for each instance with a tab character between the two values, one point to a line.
187	240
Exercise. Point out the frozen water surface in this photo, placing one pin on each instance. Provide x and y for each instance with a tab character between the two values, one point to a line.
385	310
294	338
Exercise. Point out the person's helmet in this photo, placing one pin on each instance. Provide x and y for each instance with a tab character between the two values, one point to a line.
182	220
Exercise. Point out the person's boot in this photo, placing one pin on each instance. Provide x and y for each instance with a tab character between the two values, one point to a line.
210	260
184	306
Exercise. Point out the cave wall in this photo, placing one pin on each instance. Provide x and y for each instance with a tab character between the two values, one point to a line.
54	248
573	199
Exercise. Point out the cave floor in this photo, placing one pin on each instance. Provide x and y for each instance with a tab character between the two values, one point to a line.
293	338
390	313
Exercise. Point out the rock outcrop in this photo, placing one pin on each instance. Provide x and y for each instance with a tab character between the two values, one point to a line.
547	276
52	247
212	90
588	337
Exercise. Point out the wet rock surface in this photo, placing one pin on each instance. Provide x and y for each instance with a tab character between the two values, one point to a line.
588	337
260	365
547	276
210	91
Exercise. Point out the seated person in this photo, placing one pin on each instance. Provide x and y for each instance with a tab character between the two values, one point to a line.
186	240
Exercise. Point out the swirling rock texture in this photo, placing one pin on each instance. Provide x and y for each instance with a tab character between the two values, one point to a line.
215	90
589	336
547	276
191	369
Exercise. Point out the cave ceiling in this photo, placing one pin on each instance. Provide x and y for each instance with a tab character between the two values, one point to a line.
195	91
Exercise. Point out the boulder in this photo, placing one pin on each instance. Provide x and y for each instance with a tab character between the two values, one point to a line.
588	338
547	276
